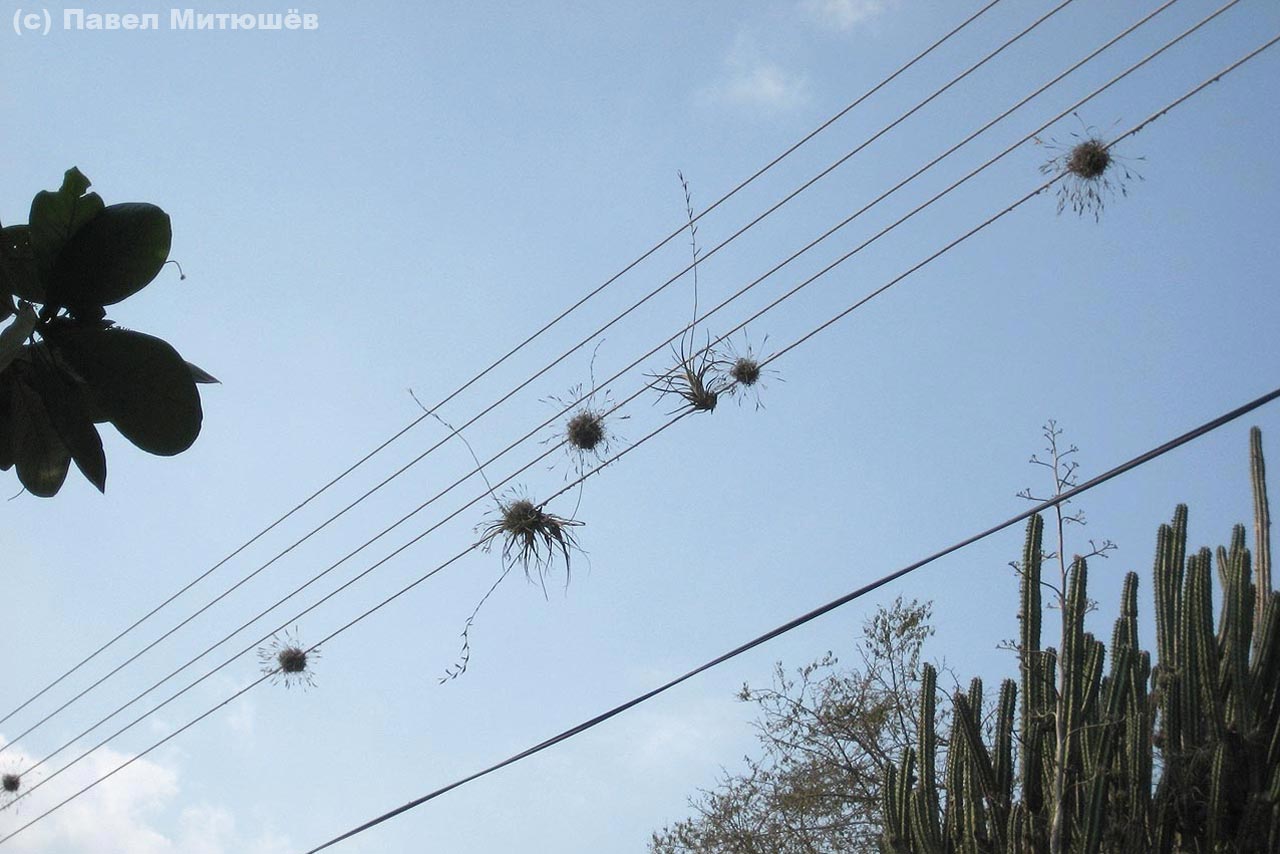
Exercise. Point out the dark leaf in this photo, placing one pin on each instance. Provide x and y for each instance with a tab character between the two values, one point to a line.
200	375
18	274
39	455
56	216
139	382
115	255
64	401
6	421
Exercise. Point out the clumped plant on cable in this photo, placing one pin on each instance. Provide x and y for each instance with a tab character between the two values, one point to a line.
694	379
1094	174
532	539
744	371
587	432
286	660
15	784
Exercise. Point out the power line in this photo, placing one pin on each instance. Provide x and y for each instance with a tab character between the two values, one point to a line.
773	304
813	615
501	360
789	197
1150	455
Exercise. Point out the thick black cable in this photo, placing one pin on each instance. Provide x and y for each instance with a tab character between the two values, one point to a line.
768	166
636	394
814	614
538	374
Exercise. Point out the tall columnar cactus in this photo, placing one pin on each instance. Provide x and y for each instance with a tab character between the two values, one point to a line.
1112	753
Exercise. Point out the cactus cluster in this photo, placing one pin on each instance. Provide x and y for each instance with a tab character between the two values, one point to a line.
1114	754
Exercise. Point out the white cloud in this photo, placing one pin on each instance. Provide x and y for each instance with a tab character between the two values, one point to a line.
756	82
123	815
844	15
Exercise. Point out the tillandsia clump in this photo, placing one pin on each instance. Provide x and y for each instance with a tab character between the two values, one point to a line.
11	783
531	537
587	432
286	660
694	379
745	371
1093	173
65	367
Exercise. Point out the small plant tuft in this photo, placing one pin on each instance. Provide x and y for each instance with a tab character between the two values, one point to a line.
694	380
745	371
531	537
587	434
286	660
292	660
585	430
11	783
1094	173
1089	159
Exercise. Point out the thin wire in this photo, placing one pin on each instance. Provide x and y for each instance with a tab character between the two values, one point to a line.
537	375
767	167
263	678
1095	481
815	614
792	292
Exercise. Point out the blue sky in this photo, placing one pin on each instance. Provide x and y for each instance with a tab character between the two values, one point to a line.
394	199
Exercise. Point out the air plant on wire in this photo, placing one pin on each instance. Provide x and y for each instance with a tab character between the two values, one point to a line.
1094	173
587	432
531	537
693	381
744	371
285	659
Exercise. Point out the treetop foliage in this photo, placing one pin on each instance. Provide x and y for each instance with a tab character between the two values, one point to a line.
65	367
